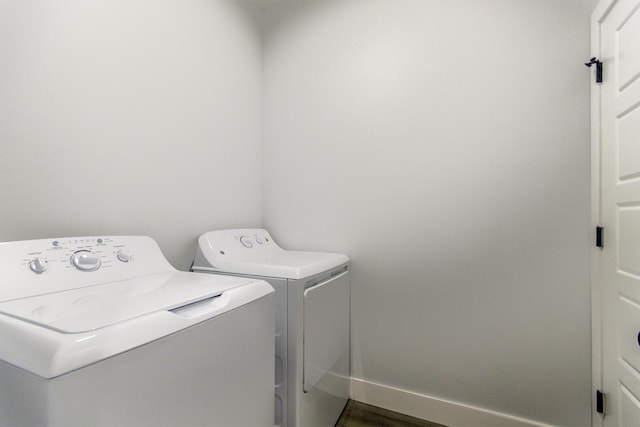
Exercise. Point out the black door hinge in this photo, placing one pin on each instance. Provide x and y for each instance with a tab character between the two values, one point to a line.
598	65
599	402
599	237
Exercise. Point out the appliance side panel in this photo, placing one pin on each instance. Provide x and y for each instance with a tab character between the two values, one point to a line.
326	328
22	397
324	402
281	342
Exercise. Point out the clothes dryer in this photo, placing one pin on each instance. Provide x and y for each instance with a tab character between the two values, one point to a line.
102	331
312	337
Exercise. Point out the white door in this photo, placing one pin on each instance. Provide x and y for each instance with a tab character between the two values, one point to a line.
618	24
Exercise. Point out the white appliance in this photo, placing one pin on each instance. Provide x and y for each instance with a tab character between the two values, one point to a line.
102	331
312	319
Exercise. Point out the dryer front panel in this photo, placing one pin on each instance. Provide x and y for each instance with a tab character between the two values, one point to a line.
326	328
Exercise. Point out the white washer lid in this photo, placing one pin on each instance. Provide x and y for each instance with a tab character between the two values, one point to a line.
96	307
50	335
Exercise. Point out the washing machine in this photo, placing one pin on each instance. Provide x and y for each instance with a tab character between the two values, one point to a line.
312	337
103	331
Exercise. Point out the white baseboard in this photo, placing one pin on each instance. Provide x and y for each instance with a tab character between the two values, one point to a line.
440	411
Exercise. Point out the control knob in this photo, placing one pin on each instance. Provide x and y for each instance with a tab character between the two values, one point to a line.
123	256
85	261
38	265
246	241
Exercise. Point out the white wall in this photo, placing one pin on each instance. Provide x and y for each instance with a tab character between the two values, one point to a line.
129	117
443	144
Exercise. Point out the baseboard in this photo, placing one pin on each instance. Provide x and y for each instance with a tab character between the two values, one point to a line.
440	411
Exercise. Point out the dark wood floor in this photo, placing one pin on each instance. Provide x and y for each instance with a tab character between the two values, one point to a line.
358	414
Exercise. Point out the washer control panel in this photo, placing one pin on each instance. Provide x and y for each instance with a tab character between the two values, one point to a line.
33	267
83	254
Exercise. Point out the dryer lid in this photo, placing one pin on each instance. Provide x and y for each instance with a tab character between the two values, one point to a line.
96	307
285	264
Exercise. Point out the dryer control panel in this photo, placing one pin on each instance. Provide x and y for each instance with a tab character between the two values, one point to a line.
253	238
35	267
238	244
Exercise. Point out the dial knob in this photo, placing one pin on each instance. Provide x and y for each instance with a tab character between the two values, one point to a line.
123	256
38	265
85	261
246	241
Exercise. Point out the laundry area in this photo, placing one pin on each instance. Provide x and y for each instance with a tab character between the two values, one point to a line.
442	153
